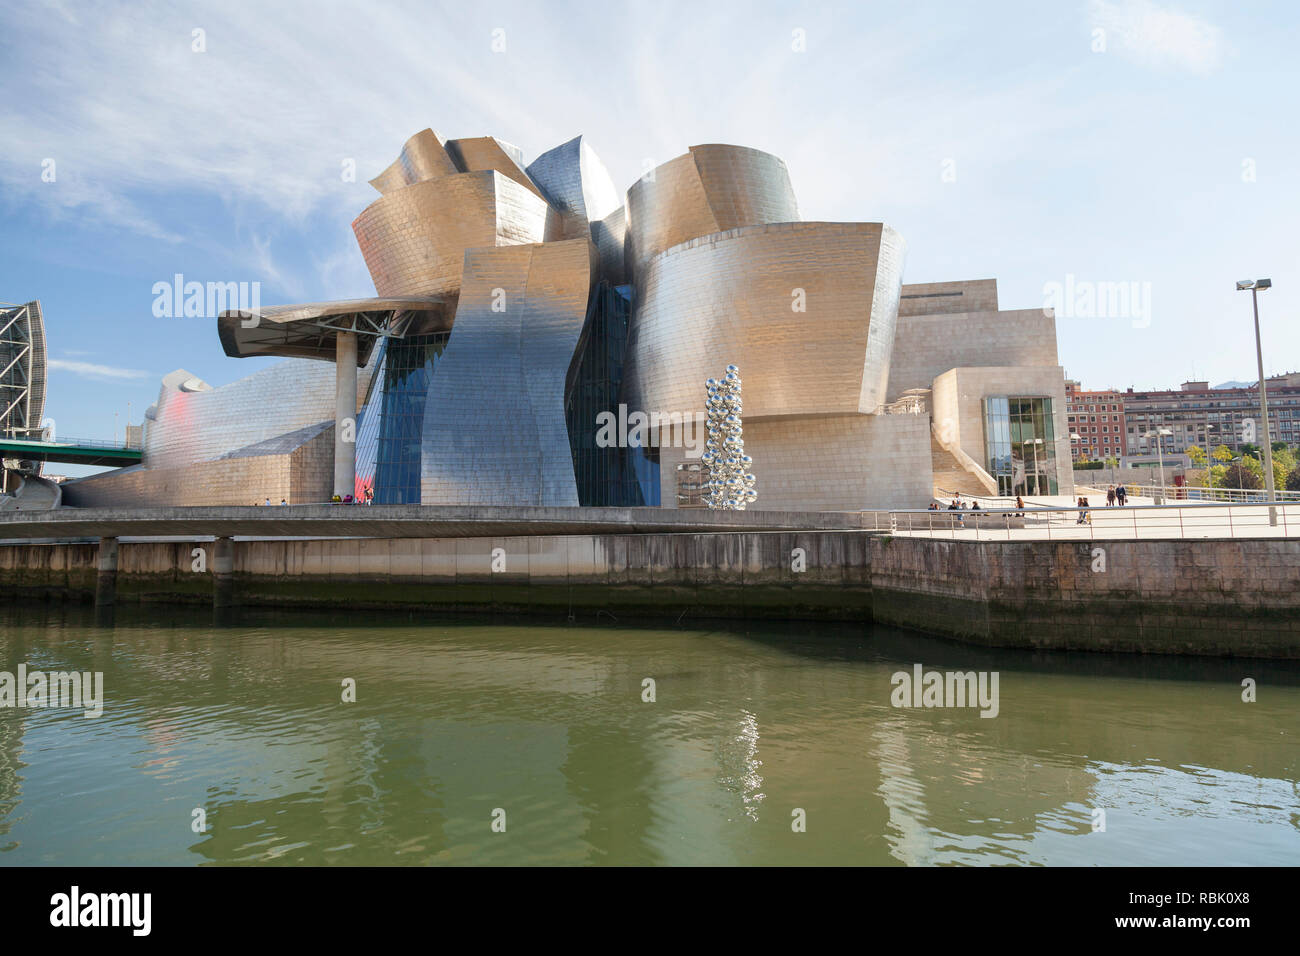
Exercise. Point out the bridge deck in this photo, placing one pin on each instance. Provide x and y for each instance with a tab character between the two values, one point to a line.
72	453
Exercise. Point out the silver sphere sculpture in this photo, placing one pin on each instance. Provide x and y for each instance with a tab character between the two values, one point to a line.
731	481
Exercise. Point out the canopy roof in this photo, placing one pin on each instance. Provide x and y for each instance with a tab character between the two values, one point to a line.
309	330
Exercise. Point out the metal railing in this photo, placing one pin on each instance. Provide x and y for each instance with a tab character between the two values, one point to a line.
62	441
1201	493
1187	520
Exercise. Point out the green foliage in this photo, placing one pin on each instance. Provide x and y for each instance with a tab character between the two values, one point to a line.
1292	482
1284	463
1240	476
1197	454
1222	454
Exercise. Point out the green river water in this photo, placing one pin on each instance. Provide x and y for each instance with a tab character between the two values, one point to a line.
545	731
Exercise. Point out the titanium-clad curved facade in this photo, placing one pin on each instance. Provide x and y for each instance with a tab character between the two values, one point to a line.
194	422
422	157
488	152
528	316
414	239
576	182
269	435
807	310
494	425
711	189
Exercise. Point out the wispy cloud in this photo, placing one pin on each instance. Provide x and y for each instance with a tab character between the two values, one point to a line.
100	373
1159	37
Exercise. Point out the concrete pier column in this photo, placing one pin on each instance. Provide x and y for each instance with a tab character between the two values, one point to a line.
223	573
106	582
345	413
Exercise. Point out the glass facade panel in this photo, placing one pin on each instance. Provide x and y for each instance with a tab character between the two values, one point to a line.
390	425
613	476
407	373
1020	446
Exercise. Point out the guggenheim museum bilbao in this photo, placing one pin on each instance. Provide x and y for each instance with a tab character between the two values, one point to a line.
537	338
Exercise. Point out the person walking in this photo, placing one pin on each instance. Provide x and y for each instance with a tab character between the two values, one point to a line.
1121	494
1020	507
1110	496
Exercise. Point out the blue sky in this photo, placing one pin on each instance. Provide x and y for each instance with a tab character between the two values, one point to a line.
1006	140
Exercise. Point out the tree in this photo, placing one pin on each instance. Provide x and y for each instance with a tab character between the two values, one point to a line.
1250	449
1222	454
1284	463
1197	454
1239	476
1292	482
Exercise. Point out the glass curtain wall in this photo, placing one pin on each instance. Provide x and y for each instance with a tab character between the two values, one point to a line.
391	423
1020	444
612	476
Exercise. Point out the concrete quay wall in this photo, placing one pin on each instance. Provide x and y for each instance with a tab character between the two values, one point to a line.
1231	597
1214	597
664	575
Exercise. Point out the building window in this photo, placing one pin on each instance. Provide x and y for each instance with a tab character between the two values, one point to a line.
1019	436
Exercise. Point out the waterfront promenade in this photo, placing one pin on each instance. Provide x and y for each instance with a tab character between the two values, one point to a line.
992	578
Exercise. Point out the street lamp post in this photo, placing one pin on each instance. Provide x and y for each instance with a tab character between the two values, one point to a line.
1254	285
1209	476
1075	436
1158	432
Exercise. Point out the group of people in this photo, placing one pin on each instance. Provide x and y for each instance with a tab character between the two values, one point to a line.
1084	516
363	499
1115	494
957	505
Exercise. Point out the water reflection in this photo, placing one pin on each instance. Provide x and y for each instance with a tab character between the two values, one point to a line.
455	719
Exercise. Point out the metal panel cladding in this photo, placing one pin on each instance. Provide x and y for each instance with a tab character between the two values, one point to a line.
488	152
576	182
494	423
807	310
422	158
193	422
712	188
414	238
